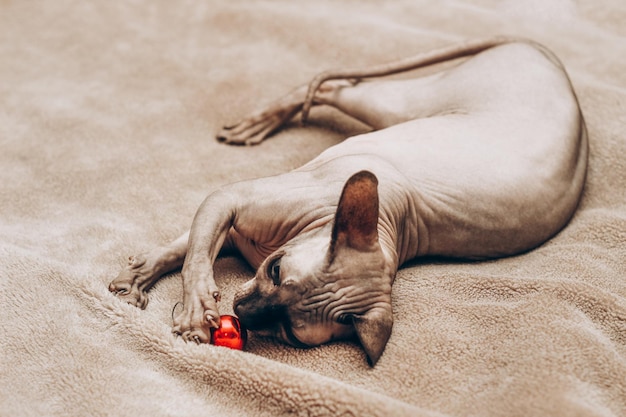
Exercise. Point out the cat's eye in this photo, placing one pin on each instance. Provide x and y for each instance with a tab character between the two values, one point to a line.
274	271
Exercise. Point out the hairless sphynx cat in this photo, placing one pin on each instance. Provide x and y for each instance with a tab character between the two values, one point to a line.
482	160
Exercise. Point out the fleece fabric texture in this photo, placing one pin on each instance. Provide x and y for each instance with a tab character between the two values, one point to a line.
108	112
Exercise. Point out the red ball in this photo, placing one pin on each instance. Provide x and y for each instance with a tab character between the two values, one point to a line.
230	333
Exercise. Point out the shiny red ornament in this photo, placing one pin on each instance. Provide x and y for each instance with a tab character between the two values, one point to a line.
230	333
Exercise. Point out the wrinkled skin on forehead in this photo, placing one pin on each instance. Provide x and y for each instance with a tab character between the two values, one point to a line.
328	284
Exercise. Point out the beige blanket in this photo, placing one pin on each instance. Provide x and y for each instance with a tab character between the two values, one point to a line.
107	116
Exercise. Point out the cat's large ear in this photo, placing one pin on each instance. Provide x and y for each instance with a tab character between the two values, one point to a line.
356	219
373	330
